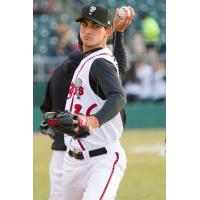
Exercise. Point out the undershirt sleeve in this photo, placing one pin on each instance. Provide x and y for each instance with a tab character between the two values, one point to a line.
105	75
120	54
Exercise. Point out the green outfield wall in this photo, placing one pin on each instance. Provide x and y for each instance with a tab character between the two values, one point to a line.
38	92
146	115
139	115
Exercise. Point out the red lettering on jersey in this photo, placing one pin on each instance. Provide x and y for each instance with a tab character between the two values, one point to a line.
71	90
90	109
77	108
81	91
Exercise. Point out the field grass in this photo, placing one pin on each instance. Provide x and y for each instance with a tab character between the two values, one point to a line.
144	178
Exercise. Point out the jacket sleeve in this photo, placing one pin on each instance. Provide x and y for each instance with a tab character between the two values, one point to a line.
46	105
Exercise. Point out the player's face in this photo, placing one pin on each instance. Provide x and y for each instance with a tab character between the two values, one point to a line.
93	35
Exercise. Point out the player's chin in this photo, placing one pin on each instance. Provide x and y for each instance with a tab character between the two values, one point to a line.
87	42
89	45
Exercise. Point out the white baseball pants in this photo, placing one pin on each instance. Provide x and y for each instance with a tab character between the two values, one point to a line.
96	178
56	175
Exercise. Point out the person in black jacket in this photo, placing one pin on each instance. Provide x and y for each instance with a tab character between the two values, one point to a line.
56	96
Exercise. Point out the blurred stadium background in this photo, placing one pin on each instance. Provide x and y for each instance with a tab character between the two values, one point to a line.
55	36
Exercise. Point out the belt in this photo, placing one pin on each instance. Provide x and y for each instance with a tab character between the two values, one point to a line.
79	155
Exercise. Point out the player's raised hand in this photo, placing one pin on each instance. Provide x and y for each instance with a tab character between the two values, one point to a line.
120	25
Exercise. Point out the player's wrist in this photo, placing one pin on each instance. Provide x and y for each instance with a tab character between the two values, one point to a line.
93	121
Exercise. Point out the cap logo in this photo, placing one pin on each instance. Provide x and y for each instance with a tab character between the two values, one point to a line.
92	9
108	21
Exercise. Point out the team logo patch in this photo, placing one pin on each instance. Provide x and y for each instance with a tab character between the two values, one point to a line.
79	90
92	9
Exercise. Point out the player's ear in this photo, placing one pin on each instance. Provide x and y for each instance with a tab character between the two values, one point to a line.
109	31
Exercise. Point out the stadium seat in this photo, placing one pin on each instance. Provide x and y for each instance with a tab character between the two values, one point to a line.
151	3
43	49
44	25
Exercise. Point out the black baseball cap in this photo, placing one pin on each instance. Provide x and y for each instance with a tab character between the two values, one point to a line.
96	13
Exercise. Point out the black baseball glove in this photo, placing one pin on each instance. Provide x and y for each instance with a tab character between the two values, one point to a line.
63	122
46	130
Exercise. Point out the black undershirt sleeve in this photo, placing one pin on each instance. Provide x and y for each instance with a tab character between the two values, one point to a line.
120	55
105	75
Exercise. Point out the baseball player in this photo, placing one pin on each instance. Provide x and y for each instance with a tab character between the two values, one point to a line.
56	95
94	164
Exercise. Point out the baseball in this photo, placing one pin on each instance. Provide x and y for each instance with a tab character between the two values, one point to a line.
122	12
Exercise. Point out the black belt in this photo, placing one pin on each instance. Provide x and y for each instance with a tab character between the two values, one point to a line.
92	153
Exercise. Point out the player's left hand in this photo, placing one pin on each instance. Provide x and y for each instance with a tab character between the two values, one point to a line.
120	25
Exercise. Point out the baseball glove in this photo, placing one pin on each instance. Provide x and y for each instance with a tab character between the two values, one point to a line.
64	122
46	130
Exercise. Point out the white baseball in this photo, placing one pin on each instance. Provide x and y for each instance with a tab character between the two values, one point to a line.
122	12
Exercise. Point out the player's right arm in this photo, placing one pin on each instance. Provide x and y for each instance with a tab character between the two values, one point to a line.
119	26
120	55
110	89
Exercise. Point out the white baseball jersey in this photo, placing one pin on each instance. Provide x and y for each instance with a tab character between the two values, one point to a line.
82	99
